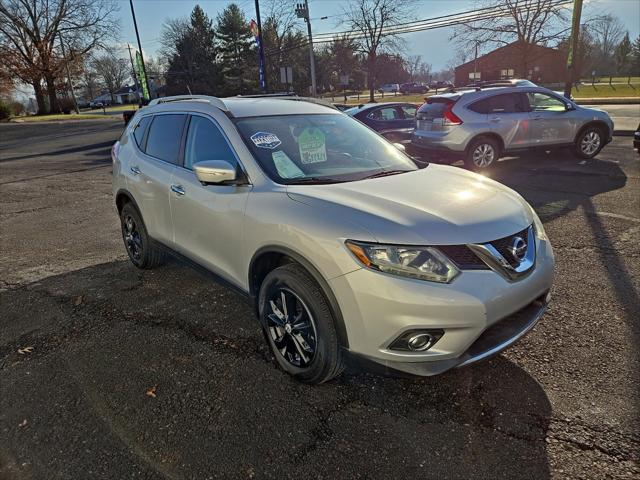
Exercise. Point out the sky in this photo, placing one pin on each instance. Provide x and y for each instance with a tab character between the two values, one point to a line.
434	46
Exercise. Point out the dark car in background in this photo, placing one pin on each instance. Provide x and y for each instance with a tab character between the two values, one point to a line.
414	87
440	85
394	120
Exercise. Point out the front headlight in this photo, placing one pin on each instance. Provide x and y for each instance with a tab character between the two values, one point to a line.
424	263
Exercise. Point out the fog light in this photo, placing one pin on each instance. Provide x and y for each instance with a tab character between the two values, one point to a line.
417	340
420	342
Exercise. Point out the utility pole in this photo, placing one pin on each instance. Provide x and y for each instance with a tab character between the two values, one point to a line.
66	63
263	65
475	65
573	48
133	72
144	69
302	11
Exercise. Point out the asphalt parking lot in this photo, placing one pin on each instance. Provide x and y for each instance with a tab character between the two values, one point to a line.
111	372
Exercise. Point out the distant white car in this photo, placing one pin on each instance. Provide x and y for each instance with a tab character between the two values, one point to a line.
341	244
389	88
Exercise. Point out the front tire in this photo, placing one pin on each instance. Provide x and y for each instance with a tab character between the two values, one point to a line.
141	250
482	154
588	143
299	325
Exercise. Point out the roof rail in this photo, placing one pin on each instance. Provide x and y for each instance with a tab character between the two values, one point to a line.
268	95
215	101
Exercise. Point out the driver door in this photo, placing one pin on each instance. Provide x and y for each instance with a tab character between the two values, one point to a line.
208	219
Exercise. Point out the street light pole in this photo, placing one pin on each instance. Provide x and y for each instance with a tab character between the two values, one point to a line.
144	69
302	11
263	64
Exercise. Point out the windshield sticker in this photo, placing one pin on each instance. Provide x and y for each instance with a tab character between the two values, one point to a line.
285	166
311	143
265	140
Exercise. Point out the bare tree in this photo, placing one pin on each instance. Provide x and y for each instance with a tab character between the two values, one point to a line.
371	19
113	71
172	32
417	69
606	33
531	22
31	31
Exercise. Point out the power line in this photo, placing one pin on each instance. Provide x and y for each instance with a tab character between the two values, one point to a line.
421	25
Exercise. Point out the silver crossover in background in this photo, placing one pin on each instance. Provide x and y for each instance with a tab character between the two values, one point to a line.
341	244
481	125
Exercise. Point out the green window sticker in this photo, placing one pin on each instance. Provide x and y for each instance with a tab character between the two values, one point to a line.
285	166
311	143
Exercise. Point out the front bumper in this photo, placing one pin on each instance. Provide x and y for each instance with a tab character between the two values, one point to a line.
480	312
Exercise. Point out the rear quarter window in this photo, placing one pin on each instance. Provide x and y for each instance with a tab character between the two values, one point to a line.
140	128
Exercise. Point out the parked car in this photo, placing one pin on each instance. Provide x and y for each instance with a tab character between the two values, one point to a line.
636	139
394	120
413	88
481	125
99	104
343	247
389	88
440	84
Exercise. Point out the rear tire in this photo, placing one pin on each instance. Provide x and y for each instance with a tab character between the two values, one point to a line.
589	142
482	154
299	325
142	252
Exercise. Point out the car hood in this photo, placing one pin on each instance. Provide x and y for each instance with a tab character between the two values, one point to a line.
437	205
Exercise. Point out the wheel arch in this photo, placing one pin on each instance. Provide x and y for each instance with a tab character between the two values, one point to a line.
594	123
269	257
123	197
491	135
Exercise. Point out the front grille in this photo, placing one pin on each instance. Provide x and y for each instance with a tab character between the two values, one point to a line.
463	257
502	245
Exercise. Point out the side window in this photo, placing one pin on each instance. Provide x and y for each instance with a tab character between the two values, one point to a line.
164	137
507	103
409	111
386	113
205	141
481	106
541	102
141	127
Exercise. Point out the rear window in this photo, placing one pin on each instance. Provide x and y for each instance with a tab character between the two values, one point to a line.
164	137
434	107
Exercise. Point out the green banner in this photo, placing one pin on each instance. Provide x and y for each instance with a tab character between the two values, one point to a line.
142	78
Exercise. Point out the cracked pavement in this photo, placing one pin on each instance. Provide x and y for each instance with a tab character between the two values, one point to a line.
164	374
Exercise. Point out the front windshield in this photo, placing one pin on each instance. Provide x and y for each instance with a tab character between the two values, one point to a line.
324	148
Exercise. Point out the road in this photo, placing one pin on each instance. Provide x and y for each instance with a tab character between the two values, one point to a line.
111	372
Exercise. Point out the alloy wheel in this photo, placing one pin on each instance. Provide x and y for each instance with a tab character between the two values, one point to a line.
291	328
590	143
132	238
483	155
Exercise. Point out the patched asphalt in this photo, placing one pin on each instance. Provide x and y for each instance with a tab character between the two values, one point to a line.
111	372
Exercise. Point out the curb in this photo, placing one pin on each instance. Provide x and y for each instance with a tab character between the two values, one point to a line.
608	101
623	133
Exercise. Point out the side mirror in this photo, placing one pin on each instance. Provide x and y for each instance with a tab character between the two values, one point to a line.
400	147
214	171
568	106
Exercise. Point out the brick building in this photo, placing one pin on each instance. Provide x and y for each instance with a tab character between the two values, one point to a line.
539	64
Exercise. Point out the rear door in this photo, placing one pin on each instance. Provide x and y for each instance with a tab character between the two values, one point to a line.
551	123
508	116
208	219
151	169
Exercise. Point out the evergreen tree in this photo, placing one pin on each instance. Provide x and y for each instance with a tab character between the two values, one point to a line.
194	67
623	55
236	50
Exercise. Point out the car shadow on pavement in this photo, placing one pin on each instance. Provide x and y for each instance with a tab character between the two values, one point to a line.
96	149
166	372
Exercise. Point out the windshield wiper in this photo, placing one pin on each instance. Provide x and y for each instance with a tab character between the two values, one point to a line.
386	173
317	180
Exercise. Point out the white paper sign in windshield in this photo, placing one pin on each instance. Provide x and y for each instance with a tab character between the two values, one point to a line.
285	166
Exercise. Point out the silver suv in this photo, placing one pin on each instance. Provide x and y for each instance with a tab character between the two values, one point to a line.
343	247
481	125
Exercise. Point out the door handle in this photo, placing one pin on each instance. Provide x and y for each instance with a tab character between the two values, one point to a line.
495	119
538	117
135	170
179	189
